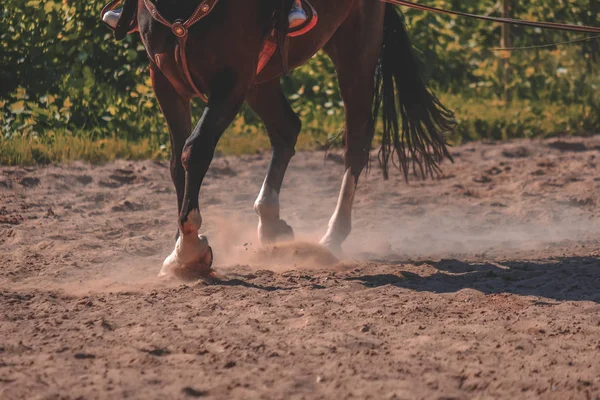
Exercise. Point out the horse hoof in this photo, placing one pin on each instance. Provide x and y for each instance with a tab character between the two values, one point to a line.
333	246
284	232
189	271
278	231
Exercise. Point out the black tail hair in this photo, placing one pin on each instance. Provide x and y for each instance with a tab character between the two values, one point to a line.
424	119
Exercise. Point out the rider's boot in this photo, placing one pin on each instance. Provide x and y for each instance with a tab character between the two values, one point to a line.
112	17
297	17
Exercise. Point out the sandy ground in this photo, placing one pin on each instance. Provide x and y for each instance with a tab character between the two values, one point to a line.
482	284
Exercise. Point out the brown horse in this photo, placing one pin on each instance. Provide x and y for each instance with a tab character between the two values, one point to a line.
377	74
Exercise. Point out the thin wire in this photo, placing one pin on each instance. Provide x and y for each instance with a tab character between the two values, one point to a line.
543	46
536	24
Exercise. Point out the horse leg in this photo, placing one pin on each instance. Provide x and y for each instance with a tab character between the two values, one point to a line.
192	256
176	110
354	50
283	127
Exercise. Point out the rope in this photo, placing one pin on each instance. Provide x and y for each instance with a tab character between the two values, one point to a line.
544	46
545	25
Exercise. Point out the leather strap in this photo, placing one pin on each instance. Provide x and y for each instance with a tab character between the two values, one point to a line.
546	25
181	29
282	37
203	9
186	69
267	52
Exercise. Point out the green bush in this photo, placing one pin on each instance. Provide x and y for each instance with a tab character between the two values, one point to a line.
62	75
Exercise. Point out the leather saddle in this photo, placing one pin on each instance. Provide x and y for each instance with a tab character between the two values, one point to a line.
278	38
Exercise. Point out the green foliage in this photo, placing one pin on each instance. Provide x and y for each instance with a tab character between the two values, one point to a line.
494	120
63	78
64	146
458	53
61	69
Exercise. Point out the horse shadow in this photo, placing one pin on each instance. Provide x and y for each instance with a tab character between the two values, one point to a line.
562	279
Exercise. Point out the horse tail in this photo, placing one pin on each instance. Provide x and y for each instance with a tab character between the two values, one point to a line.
399	86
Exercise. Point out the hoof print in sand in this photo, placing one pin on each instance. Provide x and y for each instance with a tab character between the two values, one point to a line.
296	254
127	206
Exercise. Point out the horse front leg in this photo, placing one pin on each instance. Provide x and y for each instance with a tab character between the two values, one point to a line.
283	127
192	257
176	110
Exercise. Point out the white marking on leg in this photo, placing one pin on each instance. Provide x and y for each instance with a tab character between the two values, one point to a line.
267	203
190	248
192	223
340	223
267	208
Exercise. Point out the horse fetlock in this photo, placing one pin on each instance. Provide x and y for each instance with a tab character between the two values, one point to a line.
333	244
339	230
191	223
340	227
268	211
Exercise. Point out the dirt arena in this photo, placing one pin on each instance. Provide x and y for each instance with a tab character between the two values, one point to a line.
482	284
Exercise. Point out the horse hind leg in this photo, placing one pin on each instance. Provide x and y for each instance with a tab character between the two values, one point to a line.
283	127
354	50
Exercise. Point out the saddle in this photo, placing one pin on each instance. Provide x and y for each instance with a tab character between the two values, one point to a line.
278	38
